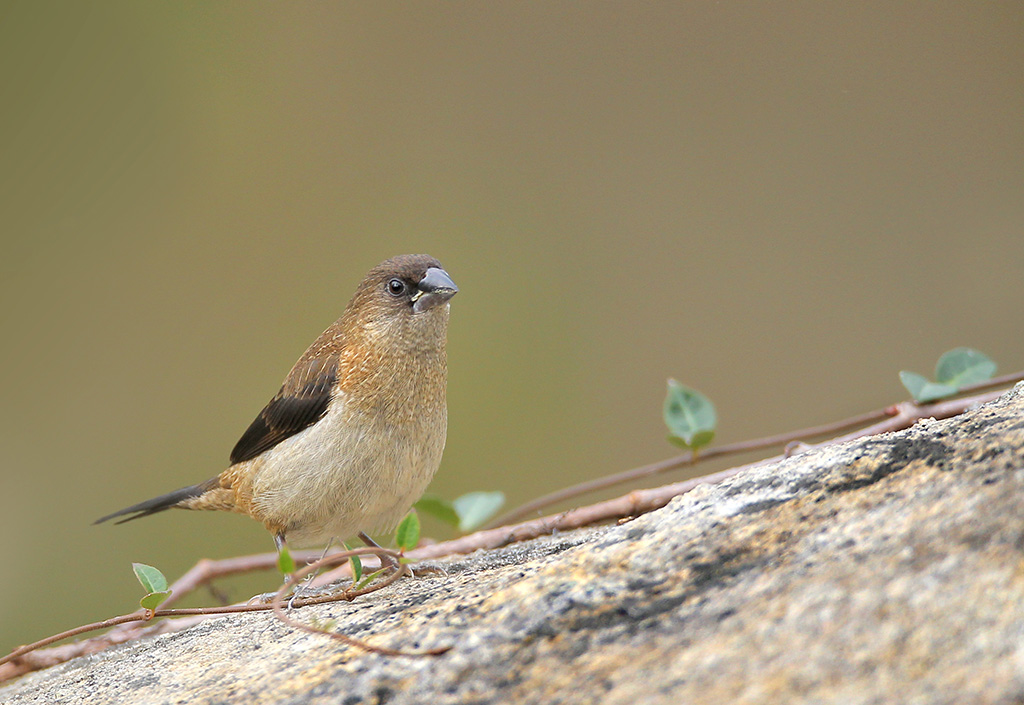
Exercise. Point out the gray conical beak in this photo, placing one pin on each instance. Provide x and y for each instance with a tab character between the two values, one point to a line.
434	289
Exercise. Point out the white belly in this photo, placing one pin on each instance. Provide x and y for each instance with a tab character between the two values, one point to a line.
345	474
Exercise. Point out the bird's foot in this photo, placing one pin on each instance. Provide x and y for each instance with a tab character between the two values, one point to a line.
264	598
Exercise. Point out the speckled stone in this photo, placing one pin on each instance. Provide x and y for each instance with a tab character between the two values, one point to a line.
887	570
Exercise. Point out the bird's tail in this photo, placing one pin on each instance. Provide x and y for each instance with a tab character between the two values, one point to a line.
159	504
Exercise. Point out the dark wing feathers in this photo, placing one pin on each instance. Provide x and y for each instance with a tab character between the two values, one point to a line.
302	401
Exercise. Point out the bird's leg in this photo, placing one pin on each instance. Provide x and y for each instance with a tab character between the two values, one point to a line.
267	597
282	546
385	561
308	580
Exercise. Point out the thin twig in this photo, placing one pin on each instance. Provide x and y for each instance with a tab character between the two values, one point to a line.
642	501
677	462
202	573
22	650
1001	381
206	570
278	602
149	615
687	458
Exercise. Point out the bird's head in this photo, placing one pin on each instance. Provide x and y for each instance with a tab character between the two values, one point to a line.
403	300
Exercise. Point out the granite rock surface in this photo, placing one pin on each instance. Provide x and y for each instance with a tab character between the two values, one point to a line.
885	570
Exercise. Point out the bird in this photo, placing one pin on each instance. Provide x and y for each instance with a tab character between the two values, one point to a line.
357	430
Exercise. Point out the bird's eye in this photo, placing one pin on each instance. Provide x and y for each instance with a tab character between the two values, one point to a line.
396	287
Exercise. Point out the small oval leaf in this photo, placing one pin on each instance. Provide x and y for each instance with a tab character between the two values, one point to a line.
703	438
151	578
357	565
438	508
914	383
964	366
154	599
285	562
933	391
924	391
689	415
475	508
407	535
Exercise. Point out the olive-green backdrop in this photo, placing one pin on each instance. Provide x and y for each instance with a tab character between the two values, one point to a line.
780	204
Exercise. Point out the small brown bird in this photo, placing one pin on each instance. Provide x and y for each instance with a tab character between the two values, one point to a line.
357	430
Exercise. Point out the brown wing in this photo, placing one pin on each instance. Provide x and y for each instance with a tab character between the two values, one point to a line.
302	401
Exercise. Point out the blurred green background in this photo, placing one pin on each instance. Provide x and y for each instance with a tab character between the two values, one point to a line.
781	205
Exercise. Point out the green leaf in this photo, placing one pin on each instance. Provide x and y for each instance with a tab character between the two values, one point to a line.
700	440
689	415
924	390
914	383
357	565
438	508
152	579
285	562
475	508
154	599
963	366
955	370
369	579
407	535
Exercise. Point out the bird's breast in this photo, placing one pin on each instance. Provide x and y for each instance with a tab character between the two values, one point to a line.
359	468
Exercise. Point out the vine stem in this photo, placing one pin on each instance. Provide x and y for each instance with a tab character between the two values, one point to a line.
688	458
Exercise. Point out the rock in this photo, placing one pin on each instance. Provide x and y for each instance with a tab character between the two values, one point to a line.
884	570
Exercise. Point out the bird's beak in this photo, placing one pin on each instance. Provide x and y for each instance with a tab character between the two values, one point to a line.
434	289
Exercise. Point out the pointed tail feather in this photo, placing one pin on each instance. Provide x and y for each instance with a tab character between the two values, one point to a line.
159	504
